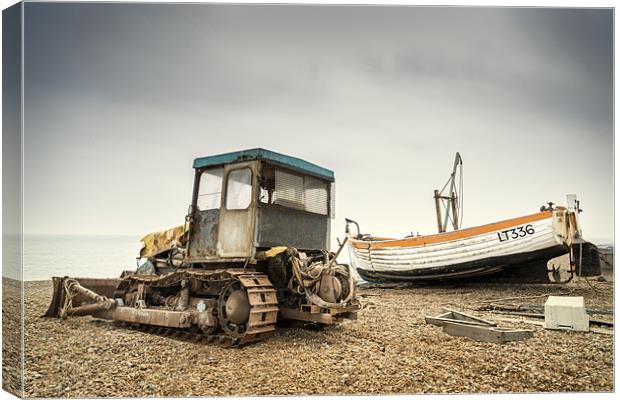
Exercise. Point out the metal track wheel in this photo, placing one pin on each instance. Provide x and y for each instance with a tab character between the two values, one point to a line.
234	309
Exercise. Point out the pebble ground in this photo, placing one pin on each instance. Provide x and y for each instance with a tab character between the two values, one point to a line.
389	349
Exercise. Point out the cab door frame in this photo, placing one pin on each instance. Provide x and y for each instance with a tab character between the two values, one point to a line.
235	237
203	224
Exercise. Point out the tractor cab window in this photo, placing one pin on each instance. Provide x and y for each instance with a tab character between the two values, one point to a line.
210	189
300	192
315	195
239	189
289	190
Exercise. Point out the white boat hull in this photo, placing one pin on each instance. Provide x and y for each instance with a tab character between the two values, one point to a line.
475	251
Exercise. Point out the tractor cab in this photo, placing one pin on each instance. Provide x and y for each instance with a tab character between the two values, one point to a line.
252	200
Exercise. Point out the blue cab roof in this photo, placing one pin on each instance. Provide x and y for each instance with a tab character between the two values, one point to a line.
293	163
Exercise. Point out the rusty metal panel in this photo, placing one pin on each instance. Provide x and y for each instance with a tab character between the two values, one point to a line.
173	319
281	226
204	234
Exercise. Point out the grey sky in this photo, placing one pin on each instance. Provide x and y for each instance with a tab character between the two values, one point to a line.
119	99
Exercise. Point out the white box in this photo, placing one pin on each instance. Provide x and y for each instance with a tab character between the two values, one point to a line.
564	312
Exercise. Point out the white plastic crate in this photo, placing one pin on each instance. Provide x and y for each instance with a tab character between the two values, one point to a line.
564	312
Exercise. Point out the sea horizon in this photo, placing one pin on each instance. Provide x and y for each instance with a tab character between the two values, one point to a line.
90	255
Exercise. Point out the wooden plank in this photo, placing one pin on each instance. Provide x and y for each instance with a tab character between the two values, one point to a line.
438	319
473	332
524	321
521	314
601	322
602	331
456	316
599	311
539	315
518	334
533	322
442	321
459	315
541	323
486	334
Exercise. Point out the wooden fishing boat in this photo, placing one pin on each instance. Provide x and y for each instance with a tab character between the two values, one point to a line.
468	252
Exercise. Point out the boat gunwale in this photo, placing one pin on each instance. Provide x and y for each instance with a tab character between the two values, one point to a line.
471	243
444	260
449	236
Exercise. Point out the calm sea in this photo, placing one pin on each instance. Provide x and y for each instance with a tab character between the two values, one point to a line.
80	256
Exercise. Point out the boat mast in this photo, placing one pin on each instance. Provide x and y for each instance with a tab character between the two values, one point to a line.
450	201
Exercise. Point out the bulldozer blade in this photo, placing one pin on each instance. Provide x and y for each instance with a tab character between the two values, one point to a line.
103	287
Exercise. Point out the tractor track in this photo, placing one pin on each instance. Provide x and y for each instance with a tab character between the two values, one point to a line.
261	294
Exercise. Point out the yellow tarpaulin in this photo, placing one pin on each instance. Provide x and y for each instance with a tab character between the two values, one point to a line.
274	251
158	242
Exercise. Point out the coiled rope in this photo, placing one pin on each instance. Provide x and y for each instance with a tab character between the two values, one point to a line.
308	272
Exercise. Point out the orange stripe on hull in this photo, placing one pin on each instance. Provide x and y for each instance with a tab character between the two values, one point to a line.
380	243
